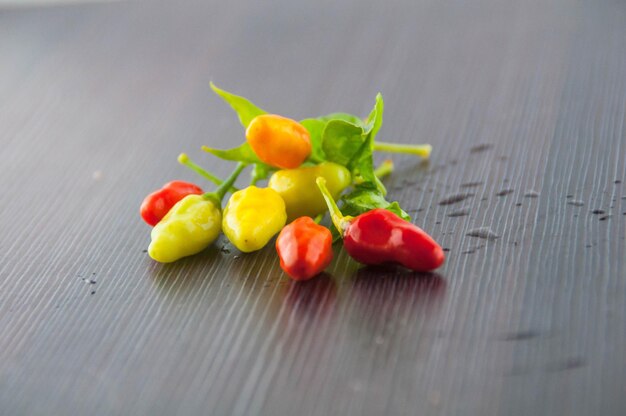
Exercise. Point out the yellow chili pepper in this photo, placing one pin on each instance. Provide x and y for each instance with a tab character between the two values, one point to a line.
252	217
191	225
299	190
188	228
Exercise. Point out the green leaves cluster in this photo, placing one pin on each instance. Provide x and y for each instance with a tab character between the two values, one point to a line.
341	138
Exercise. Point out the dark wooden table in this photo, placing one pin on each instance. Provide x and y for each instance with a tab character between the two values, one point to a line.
97	101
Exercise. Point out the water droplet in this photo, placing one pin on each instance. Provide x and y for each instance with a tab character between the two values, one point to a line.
459	213
483	232
604	217
504	192
576	203
454	198
480	147
531	194
470	184
597	211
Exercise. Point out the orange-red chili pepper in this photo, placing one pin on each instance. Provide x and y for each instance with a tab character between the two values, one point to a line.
380	236
304	248
279	141
158	203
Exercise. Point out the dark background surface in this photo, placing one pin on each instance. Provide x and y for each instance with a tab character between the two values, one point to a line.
97	101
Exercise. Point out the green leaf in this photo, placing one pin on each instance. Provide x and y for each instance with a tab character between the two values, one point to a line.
366	197
362	163
245	109
374	121
350	118
315	128
396	209
341	141
243	153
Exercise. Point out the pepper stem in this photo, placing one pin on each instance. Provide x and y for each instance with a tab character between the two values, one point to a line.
422	150
341	222
184	160
384	169
219	193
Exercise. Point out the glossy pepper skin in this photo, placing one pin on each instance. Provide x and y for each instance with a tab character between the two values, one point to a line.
156	205
252	217
191	225
379	236
298	189
304	248
279	141
188	228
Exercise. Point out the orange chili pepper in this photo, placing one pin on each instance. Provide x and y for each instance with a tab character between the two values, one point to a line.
279	141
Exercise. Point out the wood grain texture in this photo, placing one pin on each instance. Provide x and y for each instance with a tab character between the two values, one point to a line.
96	102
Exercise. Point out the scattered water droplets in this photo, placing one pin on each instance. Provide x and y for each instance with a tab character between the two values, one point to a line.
483	232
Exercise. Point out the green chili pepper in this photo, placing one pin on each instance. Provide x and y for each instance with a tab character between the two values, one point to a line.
298	189
191	225
252	217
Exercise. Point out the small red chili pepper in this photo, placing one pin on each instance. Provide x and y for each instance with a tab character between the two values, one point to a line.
304	248
380	236
158	203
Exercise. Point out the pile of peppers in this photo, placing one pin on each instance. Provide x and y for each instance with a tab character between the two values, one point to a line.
311	167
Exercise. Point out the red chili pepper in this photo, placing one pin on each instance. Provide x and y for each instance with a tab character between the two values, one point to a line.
380	236
304	248
158	203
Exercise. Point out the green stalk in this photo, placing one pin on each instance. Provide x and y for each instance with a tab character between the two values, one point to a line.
184	160
340	221
422	150
257	174
384	169
219	193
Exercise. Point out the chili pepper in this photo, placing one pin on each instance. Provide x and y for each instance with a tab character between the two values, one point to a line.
380	236
298	189
279	141
304	248
252	217
191	225
158	203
